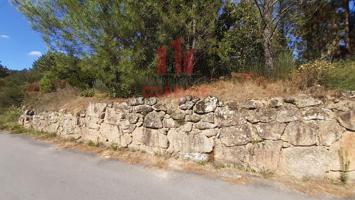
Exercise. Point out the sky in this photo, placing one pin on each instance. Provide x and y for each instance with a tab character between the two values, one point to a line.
19	44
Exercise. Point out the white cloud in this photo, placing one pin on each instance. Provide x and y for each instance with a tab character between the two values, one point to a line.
5	36
35	53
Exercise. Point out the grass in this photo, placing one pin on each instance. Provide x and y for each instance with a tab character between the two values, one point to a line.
8	121
342	76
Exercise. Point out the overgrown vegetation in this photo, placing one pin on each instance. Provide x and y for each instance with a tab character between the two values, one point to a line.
110	46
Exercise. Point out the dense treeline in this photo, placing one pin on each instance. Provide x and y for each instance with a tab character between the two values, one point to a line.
111	44
12	86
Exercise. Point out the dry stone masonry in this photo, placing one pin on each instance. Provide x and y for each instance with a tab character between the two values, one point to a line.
298	136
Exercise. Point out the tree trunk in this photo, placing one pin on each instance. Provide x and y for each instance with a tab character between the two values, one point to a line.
267	37
347	25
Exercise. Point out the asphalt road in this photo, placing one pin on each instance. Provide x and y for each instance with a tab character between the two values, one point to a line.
31	170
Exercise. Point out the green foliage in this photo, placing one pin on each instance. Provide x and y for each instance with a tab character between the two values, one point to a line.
337	75
112	44
313	73
118	38
47	83
4	71
8	118
342	75
284	65
87	93
45	63
54	66
241	40
12	88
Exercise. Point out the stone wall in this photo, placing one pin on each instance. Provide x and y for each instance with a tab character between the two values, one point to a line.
299	136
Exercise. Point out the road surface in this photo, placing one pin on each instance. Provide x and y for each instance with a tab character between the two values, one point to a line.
30	170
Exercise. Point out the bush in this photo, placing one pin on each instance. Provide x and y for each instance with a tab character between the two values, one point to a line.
284	65
8	119
47	83
342	75
87	93
313	73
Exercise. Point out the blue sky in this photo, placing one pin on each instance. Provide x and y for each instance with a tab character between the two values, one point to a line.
19	44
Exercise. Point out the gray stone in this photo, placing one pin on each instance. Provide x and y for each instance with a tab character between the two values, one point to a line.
136	101
225	117
209	132
310	162
143	109
205	125
345	150
126	127
111	117
260	115
154	138
236	135
160	107
342	106
184	99
170	123
187	106
96	109
126	140
186	103
193	118
208	118
150	101
250	104
153	120
187	127
236	155
347	120
304	101
301	133
191	143
178	115
122	107
264	156
110	133
316	113
276	102
288	113
133	118
270	131
197	157
69	124
329	132
206	105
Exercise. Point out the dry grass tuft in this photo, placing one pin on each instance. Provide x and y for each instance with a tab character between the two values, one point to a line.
235	89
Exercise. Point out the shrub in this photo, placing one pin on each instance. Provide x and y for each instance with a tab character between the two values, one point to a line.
33	87
87	93
8	118
47	83
284	65
342	76
313	73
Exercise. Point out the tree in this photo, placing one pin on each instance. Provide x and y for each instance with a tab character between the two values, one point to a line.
324	27
3	71
46	62
272	12
239	36
120	37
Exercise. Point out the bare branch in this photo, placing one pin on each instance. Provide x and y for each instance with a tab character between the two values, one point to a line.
260	11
